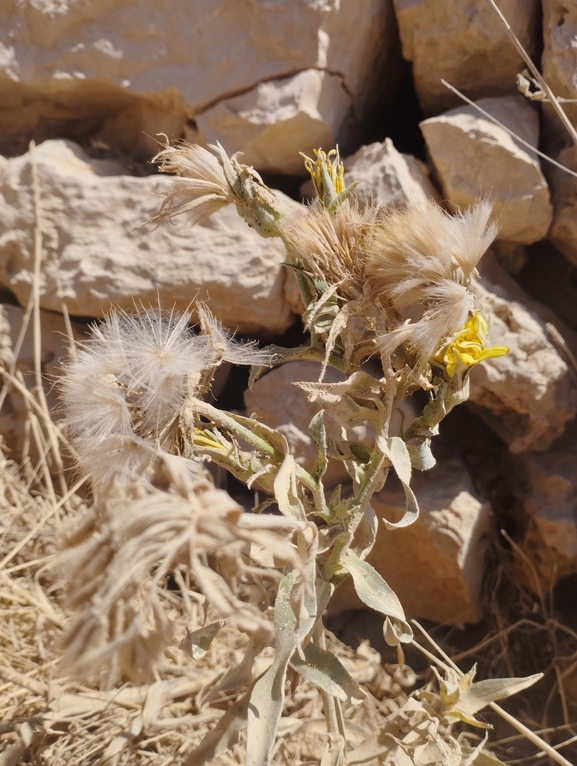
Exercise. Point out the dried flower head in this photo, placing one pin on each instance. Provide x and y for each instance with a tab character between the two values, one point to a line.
117	559
331	245
201	190
209	181
123	393
421	260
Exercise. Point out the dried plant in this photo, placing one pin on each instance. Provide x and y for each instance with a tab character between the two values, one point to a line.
375	283
114	560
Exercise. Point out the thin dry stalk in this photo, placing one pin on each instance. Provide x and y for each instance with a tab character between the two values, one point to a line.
536	73
512	133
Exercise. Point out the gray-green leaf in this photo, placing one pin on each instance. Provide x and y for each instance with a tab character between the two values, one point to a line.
375	593
326	671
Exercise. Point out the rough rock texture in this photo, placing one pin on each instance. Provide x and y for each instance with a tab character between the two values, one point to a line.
464	43
115	69
546	484
563	231
280	404
387	176
473	157
435	565
277	119
97	253
54	349
559	60
528	396
559	67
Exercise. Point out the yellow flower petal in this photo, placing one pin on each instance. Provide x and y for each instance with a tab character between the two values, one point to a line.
468	347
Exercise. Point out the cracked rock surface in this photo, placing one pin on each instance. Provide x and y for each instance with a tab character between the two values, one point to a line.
250	73
97	253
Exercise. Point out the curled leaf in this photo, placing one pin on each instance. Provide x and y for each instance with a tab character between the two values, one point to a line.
197	643
326	671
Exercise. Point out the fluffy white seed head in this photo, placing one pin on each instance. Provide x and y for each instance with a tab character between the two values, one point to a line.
123	393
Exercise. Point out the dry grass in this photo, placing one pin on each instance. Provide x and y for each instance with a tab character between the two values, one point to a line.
47	718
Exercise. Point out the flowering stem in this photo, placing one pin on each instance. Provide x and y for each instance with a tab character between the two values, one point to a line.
224	419
233	425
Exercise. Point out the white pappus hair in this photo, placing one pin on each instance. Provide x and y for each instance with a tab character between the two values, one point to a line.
123	393
422	259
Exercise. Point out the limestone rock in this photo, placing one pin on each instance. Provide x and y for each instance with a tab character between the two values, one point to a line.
277	119
528	396
473	157
559	61
387	176
118	69
465	44
14	411
546	485
435	566
97	253
563	231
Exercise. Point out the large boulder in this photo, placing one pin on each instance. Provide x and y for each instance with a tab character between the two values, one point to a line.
97	253
474	157
122	71
528	396
546	485
466	44
277	119
435	566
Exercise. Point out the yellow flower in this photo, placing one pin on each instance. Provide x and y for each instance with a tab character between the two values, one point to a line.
328	174
468	347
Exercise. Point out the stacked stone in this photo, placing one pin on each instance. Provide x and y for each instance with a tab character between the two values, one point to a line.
95	83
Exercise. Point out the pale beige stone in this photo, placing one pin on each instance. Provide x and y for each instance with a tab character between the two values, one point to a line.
277	119
528	396
563	231
435	566
97	253
473	158
465	44
546	485
386	176
122	71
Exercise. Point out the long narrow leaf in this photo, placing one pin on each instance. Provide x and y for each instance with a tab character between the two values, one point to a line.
326	671
397	452
267	698
375	593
